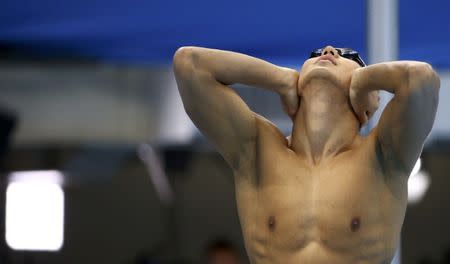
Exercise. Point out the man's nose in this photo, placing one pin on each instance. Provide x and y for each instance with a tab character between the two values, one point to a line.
330	50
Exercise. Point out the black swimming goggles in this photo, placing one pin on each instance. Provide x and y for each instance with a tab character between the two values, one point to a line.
343	52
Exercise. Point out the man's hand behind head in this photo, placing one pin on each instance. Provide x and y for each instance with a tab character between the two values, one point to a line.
290	99
363	101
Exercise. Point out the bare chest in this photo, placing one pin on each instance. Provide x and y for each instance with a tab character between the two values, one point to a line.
345	206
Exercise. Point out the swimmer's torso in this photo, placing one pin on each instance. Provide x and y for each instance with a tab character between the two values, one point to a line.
343	210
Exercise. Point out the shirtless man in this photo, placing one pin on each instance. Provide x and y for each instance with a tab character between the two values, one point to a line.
326	195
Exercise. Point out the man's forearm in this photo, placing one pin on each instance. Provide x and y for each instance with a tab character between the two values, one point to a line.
231	67
398	77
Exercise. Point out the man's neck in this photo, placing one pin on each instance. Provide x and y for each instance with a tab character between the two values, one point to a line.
325	124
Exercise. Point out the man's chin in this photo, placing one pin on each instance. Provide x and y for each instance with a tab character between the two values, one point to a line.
319	73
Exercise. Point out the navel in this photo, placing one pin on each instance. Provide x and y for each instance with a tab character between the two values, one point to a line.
271	223
355	224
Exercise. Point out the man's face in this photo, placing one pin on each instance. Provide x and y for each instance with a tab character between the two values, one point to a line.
330	66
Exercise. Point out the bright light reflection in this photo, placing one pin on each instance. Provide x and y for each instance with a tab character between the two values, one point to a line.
417	167
418	184
35	211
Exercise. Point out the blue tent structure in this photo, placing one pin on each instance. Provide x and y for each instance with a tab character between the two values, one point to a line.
149	31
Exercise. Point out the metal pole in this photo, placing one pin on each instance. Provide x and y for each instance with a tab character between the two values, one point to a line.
382	40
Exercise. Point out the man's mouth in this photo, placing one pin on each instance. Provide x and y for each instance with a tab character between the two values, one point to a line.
327	57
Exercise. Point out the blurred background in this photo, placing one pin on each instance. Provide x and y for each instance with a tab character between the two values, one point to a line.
100	164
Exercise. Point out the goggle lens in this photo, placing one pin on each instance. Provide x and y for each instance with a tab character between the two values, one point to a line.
343	52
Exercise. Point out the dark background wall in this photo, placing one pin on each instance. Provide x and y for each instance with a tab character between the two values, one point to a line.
426	230
116	220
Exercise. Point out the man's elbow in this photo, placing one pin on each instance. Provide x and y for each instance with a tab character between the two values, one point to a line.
183	61
423	76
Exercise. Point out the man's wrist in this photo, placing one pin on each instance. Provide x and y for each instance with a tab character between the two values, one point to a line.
289	81
359	82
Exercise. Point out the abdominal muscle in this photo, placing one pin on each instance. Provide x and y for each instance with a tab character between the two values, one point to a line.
313	252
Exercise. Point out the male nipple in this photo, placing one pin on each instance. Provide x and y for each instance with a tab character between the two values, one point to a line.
271	223
355	224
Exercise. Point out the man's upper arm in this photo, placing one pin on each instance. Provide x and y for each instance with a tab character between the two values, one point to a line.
219	113
409	117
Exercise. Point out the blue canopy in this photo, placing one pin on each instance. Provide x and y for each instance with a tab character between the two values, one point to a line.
424	30
138	31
